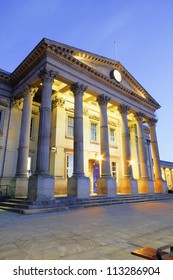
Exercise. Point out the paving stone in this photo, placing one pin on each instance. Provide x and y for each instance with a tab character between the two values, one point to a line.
109	232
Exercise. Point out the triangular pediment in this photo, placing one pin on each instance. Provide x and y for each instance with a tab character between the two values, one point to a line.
106	69
102	66
97	66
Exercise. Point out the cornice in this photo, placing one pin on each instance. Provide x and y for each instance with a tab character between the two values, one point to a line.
74	63
66	55
4	76
29	60
120	67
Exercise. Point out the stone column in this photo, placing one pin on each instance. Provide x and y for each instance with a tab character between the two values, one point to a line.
143	182
164	173
106	185
127	183
78	184
23	150
158	182
134	152
41	185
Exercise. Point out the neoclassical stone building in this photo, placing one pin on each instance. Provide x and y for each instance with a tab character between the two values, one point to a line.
76	123
167	173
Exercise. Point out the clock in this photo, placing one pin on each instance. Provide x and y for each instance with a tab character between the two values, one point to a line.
116	75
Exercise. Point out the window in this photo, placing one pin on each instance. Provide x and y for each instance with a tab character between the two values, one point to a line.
70	164
93	132
114	169
70	126
112	136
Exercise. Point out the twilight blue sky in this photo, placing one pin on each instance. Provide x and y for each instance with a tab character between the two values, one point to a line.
142	31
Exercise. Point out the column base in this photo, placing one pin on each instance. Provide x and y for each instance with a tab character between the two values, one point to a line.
145	186
106	186
21	186
159	186
128	186
78	186
41	188
164	185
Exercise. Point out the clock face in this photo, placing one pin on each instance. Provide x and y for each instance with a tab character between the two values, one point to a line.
115	74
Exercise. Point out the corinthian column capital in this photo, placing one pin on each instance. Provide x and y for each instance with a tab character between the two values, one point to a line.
152	122
139	116
29	91
123	109
78	89
103	99
47	75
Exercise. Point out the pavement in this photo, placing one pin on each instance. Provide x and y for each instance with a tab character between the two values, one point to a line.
98	233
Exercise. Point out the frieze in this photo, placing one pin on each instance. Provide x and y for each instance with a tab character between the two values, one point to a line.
71	60
62	55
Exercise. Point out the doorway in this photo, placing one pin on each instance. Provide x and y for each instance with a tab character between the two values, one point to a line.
94	169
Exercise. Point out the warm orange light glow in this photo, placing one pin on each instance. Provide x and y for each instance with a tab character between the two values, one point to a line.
132	162
99	157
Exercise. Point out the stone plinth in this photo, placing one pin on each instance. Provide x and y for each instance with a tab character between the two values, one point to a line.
165	188
106	186
145	186
128	186
78	186
158	186
41	188
21	186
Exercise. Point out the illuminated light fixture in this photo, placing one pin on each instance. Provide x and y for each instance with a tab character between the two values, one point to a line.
53	149
132	162
99	157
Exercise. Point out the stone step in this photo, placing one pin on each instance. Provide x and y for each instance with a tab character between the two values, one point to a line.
23	201
33	210
24	206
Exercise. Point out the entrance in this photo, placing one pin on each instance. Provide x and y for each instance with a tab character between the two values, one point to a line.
94	168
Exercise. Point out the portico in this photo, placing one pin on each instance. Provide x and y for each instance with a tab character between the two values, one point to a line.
81	111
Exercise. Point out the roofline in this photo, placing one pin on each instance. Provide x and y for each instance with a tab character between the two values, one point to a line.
67	53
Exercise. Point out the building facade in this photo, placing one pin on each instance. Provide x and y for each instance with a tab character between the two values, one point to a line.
167	173
76	123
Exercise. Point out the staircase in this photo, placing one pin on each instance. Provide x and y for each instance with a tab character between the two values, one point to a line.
25	206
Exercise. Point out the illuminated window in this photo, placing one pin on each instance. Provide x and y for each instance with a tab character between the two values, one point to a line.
70	126
70	163
93	132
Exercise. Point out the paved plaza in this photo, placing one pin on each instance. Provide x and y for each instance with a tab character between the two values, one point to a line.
98	233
